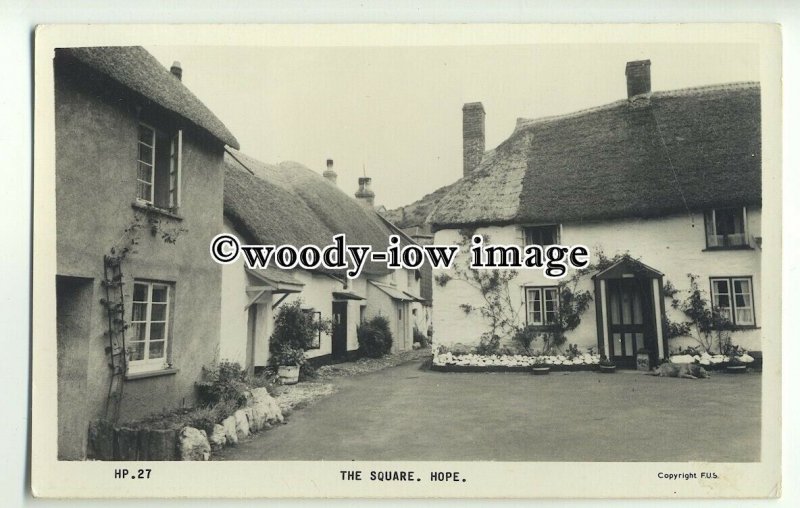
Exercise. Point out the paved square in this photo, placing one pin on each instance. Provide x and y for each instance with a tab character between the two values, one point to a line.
406	413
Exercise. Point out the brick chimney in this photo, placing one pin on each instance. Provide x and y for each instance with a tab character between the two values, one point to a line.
474	131
176	70
638	76
364	194
329	173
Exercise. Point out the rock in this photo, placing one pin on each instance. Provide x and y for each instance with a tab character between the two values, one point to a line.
229	425
242	426
265	403
217	439
257	417
260	394
193	444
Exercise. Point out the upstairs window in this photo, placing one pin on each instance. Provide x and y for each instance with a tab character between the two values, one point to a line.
542	235
542	305
158	175
733	296
726	228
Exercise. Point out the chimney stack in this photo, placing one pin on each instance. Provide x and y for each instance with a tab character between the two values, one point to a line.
364	194
474	131
176	70
638	76
329	173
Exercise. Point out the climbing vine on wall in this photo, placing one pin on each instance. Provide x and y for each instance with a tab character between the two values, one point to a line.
114	301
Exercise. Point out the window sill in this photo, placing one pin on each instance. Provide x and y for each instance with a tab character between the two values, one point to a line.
154	209
151	373
736	247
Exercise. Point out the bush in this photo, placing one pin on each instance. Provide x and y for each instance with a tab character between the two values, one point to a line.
489	345
524	338
420	337
374	337
294	334
223	382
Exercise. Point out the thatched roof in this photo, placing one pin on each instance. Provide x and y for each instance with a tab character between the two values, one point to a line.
689	149
288	203
417	212
138	70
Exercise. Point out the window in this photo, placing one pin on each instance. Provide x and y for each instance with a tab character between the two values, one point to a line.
315	317
542	235
147	345
542	305
158	167
726	228
733	296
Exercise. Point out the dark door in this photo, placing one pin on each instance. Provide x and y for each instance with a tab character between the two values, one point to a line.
630	315
339	332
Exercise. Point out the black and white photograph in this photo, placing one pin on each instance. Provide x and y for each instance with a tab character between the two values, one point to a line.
235	257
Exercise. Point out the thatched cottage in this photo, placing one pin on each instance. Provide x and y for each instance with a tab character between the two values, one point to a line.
671	177
289	204
137	305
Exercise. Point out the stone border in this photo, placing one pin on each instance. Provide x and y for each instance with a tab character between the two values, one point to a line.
504	368
110	442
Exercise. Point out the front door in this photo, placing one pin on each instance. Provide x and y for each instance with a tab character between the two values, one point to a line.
339	332
630	314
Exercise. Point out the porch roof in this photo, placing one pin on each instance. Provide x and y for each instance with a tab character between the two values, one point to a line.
628	267
393	292
347	295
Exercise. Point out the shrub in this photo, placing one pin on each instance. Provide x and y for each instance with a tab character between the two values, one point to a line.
225	381
374	337
294	334
488	345
420	337
524	338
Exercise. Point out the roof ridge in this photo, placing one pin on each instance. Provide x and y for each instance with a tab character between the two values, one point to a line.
678	92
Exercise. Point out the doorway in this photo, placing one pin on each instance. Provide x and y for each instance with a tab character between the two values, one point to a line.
630	317
339	331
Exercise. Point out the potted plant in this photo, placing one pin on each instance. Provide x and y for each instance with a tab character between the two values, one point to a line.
289	360
606	365
540	368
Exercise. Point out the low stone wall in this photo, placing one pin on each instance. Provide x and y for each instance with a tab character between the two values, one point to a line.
110	442
503	368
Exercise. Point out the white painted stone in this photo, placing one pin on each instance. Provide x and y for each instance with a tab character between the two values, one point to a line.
242	426
229	424
193	444
217	439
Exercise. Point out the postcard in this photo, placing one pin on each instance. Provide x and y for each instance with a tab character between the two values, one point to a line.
407	261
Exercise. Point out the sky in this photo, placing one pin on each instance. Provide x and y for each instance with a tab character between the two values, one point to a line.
395	112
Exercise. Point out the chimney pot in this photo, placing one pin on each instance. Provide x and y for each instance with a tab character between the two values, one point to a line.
638	77
176	70
364	194
474	135
329	173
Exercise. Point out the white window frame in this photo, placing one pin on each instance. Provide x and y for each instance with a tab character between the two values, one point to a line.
712	233
147	364
175	165
543	292
151	163
733	307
